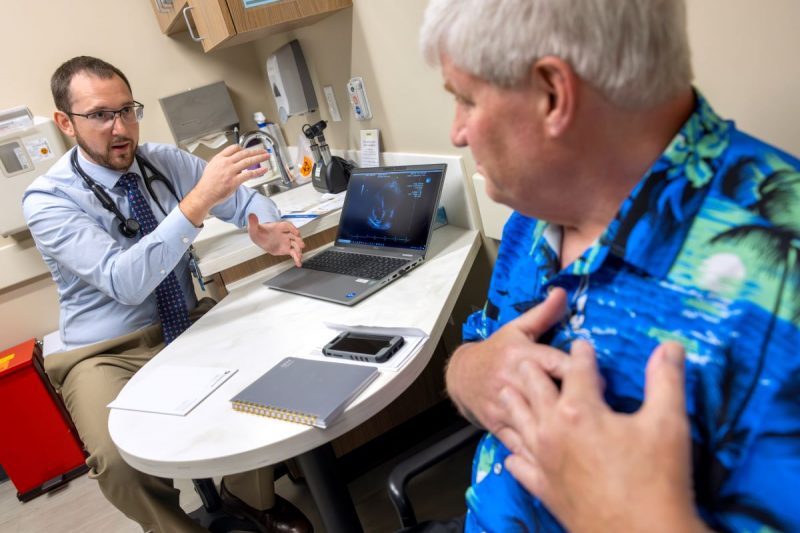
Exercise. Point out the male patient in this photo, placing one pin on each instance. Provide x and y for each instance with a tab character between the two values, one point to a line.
118	252
654	242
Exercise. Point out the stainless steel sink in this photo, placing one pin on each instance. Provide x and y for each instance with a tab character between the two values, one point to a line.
276	186
271	188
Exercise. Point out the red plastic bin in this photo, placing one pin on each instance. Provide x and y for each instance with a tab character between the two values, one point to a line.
39	447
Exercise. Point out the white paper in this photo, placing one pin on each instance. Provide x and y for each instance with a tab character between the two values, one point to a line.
213	141
299	220
171	389
370	142
300	215
414	340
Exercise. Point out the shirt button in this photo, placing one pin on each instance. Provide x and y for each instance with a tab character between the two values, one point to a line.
163	271
498	469
185	240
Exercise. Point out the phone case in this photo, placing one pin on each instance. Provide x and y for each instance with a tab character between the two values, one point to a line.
394	344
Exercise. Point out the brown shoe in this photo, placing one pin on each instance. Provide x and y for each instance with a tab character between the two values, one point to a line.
283	517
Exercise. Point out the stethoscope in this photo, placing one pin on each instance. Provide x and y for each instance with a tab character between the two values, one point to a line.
129	226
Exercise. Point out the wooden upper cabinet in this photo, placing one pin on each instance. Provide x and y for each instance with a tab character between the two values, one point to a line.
220	23
213	23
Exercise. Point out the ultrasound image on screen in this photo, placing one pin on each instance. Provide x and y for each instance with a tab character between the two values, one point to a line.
390	208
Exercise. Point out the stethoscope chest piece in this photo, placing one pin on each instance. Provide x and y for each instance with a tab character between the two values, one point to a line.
130	227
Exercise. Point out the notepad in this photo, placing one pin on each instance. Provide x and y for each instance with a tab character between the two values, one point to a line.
305	391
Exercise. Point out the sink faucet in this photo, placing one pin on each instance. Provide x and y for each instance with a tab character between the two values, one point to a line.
268	141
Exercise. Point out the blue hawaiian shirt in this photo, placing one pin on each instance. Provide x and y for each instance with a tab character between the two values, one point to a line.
705	251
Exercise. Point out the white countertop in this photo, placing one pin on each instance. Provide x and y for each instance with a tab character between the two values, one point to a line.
252	329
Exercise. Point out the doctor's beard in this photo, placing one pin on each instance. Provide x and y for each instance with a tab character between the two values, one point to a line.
114	159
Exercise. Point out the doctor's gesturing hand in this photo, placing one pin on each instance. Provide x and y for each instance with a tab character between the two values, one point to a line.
277	238
223	174
478	371
598	470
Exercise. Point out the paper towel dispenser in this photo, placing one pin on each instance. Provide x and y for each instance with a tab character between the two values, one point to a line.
290	81
199	112
28	148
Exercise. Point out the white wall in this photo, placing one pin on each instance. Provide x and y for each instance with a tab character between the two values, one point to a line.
376	40
746	63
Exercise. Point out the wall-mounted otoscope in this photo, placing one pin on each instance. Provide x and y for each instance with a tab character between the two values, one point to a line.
331	173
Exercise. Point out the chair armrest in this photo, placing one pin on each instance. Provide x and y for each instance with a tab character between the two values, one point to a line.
408	468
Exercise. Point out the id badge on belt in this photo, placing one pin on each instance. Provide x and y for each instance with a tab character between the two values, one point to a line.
194	268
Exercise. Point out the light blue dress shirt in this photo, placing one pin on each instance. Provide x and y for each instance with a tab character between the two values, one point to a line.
106	282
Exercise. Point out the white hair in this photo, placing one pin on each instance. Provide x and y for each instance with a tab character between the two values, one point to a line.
635	52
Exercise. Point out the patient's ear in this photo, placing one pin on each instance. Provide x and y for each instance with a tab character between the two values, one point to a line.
559	85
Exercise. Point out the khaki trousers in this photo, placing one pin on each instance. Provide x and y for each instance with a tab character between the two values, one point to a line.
89	378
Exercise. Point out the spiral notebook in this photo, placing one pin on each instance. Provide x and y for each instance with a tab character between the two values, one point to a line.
305	391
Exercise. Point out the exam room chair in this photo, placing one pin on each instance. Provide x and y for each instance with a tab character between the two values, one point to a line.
415	464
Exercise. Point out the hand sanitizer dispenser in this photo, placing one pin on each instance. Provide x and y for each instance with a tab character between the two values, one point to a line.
290	81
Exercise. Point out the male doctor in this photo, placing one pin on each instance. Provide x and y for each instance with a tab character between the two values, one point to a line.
118	252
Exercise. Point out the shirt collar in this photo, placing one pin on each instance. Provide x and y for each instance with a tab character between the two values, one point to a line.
650	226
106	177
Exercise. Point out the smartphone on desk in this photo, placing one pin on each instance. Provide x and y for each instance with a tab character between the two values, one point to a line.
363	347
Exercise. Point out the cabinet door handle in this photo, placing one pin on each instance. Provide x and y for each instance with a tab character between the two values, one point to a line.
189	24
164	6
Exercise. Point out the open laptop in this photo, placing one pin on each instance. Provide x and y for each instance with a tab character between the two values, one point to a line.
384	231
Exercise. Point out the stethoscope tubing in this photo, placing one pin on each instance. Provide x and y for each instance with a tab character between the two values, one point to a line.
128	226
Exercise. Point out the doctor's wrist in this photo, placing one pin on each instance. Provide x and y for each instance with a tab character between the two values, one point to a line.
195	212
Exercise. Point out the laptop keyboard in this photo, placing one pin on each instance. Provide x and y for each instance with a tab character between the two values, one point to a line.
350	264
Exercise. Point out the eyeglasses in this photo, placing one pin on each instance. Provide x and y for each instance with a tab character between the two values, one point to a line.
104	118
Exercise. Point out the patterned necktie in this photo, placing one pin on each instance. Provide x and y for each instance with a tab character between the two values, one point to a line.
169	295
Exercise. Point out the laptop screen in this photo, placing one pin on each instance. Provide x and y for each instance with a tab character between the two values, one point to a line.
391	206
